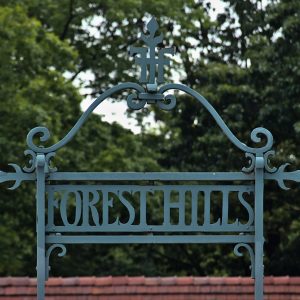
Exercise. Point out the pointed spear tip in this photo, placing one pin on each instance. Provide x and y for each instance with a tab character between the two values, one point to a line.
152	25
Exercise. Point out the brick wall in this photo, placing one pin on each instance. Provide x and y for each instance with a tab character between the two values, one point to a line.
146	288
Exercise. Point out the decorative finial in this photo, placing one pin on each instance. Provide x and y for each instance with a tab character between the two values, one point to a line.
152	27
146	56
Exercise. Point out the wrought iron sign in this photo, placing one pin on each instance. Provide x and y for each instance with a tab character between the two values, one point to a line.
91	221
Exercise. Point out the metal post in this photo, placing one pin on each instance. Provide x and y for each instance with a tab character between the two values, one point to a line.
259	227
40	219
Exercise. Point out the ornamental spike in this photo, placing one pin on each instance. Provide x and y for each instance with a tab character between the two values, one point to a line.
152	26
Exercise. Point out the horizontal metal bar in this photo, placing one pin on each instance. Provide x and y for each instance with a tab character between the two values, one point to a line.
162	176
281	175
148	96
151	188
21	176
149	239
151	228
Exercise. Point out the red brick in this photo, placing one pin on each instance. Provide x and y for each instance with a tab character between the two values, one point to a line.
201	280
21	281
281	280
136	280
119	280
54	281
217	280
184	280
168	281
295	280
234	280
71	281
101	281
4	281
143	288
152	281
86	280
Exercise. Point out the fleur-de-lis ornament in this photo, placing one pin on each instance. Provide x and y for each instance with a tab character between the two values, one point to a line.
146	56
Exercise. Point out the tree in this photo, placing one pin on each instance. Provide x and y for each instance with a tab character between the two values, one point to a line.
247	65
32	63
35	92
262	92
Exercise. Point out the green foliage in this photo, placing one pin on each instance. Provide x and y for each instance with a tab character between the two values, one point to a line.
31	60
247	66
255	82
34	92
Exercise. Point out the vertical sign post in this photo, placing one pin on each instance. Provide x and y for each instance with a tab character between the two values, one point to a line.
40	224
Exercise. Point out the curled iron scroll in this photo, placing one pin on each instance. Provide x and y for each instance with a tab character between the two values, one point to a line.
137	102
280	176
168	103
17	176
267	157
251	166
32	161
48	253
237	252
134	103
267	166
44	134
48	159
255	134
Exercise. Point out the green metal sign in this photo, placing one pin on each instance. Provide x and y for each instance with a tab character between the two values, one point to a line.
96	219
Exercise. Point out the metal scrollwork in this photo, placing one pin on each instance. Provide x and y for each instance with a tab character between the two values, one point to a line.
48	253
18	176
281	175
267	156
237	252
44	133
281	172
48	159
134	102
255	134
32	161
146	58
251	158
139	101
151	64
168	103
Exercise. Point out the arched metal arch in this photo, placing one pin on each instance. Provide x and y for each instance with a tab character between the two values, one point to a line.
44	133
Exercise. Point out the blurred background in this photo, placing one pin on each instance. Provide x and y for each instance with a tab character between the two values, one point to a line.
57	56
